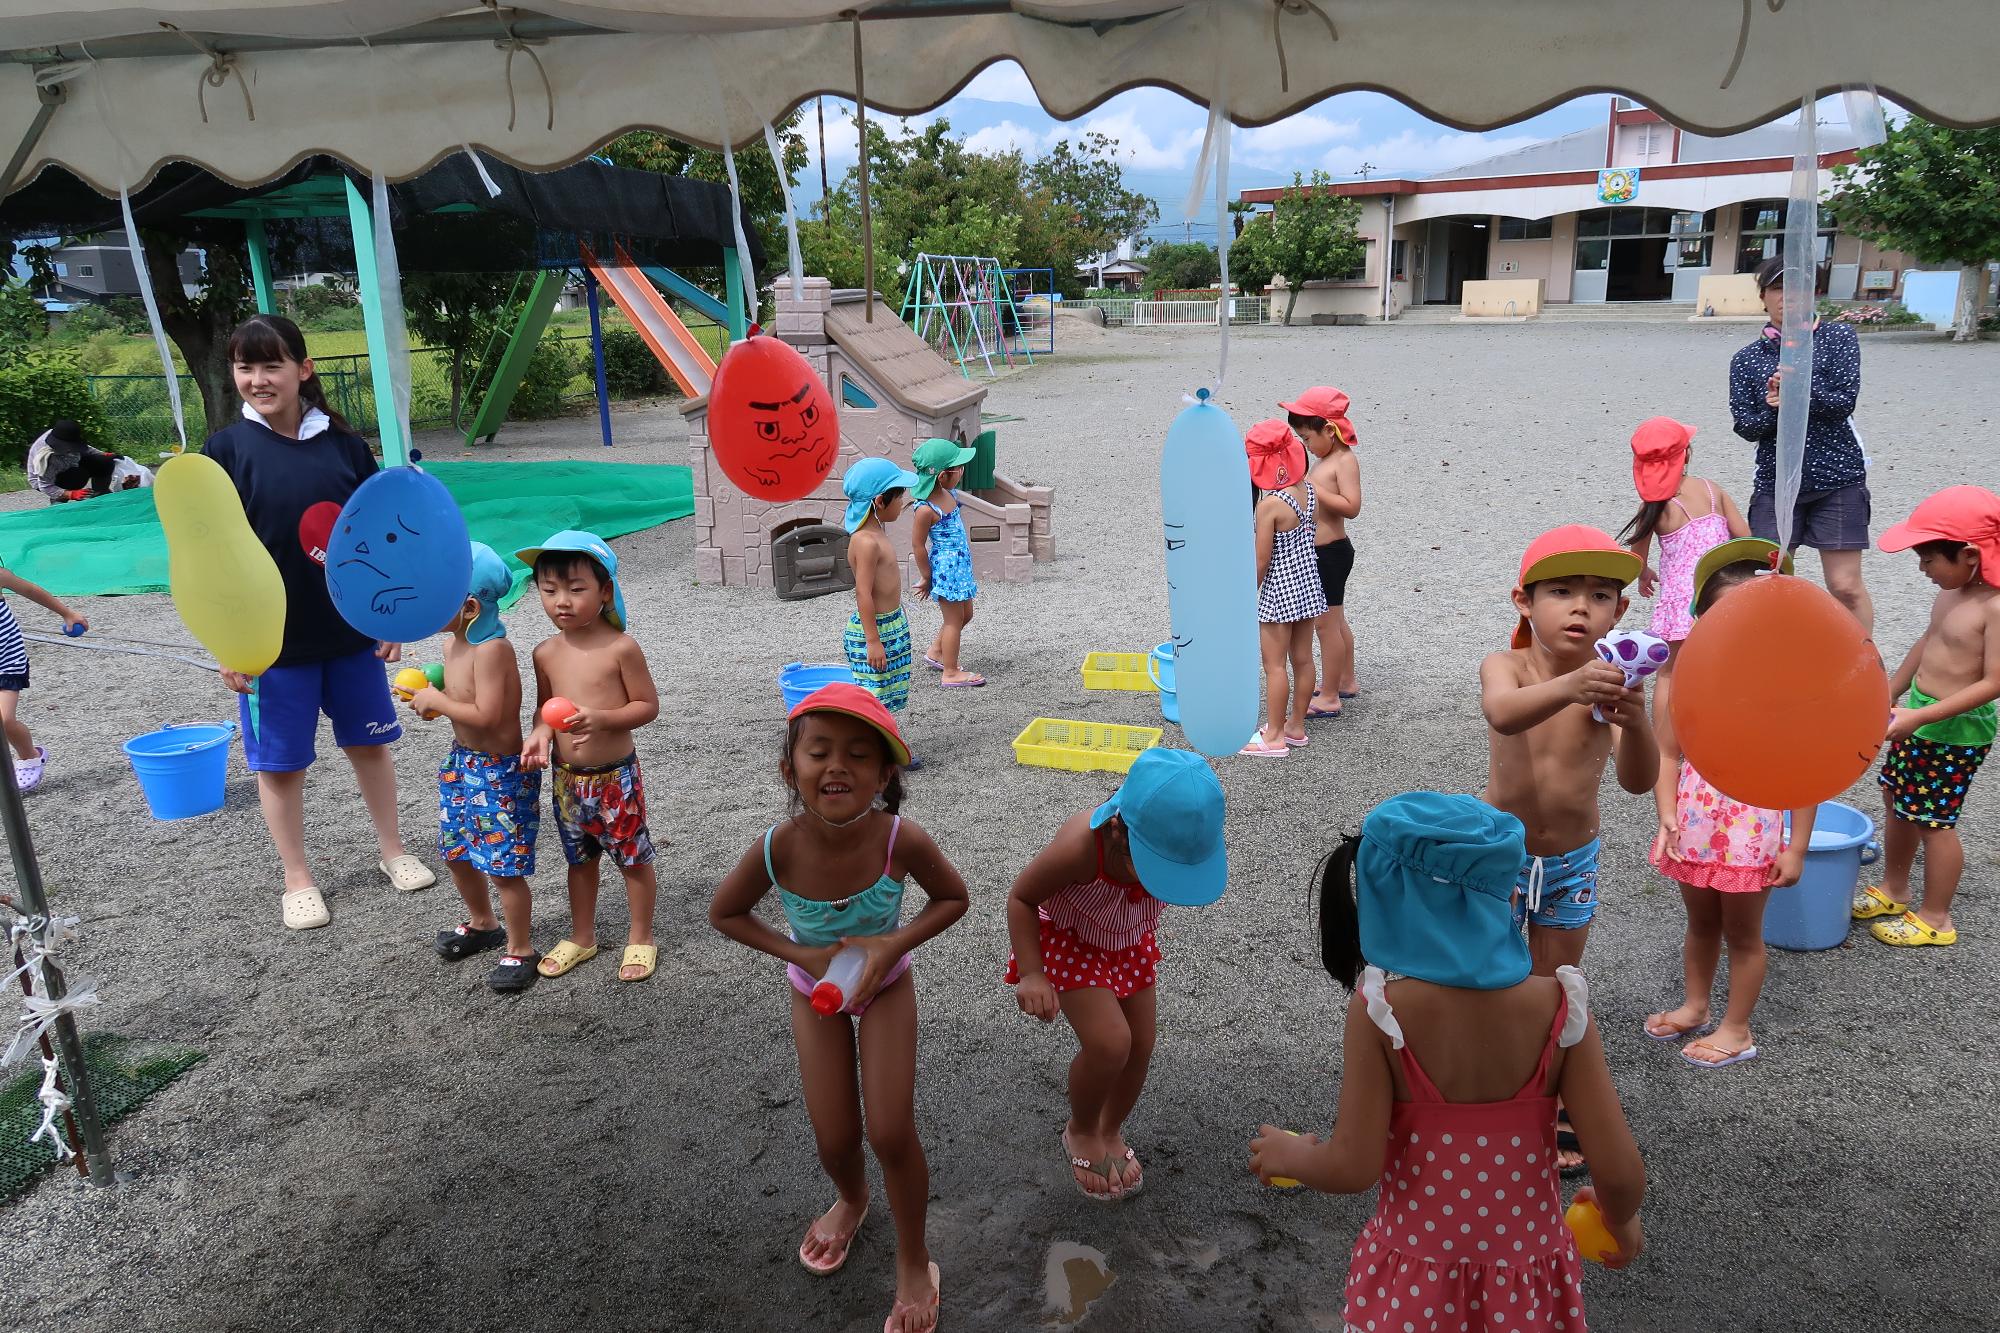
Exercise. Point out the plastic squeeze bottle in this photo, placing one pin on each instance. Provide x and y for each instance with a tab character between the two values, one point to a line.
835	988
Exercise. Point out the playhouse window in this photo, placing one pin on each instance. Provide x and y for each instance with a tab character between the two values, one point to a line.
853	395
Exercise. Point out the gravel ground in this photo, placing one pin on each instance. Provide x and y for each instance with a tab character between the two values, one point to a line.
375	1141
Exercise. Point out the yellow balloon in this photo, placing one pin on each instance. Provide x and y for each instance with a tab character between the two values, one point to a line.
226	586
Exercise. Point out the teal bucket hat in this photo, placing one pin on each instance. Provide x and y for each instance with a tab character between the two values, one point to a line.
1434	887
490	581
933	457
594	546
866	480
1172	807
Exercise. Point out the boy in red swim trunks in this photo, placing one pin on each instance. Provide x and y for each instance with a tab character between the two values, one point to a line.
600	798
1944	720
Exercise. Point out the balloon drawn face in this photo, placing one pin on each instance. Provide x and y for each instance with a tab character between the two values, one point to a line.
399	561
771	421
1211	568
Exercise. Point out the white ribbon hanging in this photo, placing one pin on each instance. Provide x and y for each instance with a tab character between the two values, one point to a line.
777	150
1214	160
54	1103
1795	351
41	1014
744	268
139	267
1864	116
389	287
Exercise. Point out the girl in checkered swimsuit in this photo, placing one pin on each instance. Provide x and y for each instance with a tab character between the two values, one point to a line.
1290	597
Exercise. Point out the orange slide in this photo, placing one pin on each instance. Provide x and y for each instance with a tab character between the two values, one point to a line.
670	340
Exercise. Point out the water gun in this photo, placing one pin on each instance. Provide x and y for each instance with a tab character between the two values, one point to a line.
1636	653
1593	1238
837	987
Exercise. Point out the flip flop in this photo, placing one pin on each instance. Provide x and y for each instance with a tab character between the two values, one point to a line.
933	663
1350	694
514	973
1871	902
464	940
1910	931
1729	1057
1094	1168
563	957
1567	1141
639	955
305	909
407	873
973	684
1255	746
845	1243
1296	742
1312	712
937	1291
1134	1186
1700	1029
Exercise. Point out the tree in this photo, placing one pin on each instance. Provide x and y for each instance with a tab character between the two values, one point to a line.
200	325
1932	192
1250	264
762	184
1076	205
456	313
1313	236
1180	266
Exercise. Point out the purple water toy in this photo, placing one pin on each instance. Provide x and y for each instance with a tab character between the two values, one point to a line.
1636	653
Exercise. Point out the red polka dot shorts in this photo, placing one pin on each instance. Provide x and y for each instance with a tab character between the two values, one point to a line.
1070	964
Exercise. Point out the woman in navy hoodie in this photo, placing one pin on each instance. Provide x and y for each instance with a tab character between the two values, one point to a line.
291	452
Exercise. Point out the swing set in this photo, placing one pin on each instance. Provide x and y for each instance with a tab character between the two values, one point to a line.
963	305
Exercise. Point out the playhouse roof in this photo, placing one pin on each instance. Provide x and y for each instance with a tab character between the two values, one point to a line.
906	367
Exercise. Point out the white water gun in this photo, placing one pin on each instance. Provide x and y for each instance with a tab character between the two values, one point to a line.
1636	653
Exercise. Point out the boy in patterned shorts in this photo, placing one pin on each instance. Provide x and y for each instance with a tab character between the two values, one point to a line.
1943	727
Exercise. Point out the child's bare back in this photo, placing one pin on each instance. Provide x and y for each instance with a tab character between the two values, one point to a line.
1336	483
873	559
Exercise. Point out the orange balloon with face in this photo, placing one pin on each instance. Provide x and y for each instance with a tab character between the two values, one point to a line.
771	421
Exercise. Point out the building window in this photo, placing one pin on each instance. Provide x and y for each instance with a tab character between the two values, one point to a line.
1763	236
1398	260
1526	229
86	270
1359	273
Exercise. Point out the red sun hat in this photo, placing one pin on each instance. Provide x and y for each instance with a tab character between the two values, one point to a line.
1573	549
1659	457
1969	514
1328	404
857	703
1277	459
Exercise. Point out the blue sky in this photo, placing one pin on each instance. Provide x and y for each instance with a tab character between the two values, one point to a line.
1159	137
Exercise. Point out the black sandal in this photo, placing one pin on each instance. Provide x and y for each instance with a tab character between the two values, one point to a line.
464	940
515	973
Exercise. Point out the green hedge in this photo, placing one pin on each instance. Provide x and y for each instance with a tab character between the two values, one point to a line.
33	395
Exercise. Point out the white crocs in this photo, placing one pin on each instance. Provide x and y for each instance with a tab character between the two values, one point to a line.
407	873
28	772
305	909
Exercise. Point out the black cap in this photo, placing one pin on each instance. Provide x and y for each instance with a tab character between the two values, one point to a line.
66	430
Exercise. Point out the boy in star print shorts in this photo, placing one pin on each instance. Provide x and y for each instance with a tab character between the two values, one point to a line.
1943	725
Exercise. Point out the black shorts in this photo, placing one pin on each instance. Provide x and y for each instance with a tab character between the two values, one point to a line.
1823	520
12	682
1336	562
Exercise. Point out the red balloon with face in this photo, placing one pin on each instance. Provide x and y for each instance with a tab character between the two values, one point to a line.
771	421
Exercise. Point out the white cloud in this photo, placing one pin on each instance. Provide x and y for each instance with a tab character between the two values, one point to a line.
1284	143
1004	82
1417	152
842	145
1136	145
1006	137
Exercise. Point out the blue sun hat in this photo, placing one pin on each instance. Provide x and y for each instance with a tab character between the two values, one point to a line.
867	480
490	581
594	546
1172	807
1434	887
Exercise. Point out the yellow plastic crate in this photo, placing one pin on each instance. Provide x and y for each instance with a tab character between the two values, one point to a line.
1117	671
1083	747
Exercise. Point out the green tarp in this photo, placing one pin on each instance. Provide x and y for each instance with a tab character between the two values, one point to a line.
113	544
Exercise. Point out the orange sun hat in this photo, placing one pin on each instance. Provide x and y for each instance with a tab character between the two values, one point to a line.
1659	457
1574	548
1277	459
1329	405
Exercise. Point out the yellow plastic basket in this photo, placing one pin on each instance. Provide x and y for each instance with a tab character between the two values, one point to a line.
1083	747
1117	671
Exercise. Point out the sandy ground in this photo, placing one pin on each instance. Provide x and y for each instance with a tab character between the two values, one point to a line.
377	1142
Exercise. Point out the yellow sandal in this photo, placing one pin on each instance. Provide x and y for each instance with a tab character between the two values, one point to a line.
1910	931
1871	902
564	957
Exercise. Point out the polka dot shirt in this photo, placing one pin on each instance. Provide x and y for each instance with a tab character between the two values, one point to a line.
1833	450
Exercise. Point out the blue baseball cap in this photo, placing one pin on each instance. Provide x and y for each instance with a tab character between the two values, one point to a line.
866	480
1172	807
490	581
592	545
1434	886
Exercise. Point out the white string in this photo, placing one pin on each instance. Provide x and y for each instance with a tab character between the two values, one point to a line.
1795	353
485	177
745	269
791	217
395	333
1222	238
139	267
54	1103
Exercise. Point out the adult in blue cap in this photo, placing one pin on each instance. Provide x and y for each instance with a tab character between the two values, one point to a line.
1082	920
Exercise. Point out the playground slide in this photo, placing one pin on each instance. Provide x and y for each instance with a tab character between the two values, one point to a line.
670	340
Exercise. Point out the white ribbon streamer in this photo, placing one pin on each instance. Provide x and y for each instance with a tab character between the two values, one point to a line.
389	286
54	1103
173	378
42	1012
791	217
1795	352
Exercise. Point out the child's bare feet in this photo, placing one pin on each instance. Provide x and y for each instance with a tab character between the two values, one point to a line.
917	1291
1673	1024
1092	1163
831	1234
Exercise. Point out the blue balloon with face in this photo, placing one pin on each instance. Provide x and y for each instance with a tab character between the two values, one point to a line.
399	562
1211	577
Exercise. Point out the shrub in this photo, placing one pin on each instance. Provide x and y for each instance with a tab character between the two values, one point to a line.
33	395
85	323
630	368
100	355
338	319
543	388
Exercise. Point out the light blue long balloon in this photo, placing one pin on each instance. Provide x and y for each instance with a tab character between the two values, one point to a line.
1211	577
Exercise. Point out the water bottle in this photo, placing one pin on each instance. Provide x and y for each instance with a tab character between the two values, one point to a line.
834	989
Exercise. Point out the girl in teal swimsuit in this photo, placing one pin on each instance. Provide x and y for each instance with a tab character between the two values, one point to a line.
838	864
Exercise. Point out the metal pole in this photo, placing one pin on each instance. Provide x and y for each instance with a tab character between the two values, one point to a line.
28	877
867	215
825	203
597	357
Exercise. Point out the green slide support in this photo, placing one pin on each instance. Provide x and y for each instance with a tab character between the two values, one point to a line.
260	265
388	426
521	346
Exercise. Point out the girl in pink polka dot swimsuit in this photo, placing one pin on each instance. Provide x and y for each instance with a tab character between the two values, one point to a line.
1468	1229
1082	917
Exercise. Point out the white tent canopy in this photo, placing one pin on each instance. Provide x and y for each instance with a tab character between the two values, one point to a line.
247	89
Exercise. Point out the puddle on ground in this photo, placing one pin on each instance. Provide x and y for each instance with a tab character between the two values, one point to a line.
1075	1275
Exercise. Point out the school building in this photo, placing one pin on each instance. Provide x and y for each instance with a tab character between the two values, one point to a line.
1630	210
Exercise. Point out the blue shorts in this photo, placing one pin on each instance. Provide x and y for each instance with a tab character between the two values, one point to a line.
281	714
1559	892
489	810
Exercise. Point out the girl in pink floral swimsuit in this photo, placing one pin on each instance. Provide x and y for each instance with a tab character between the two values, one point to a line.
1726	856
1449	1085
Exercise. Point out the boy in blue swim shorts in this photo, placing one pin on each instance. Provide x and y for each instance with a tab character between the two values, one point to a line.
489	803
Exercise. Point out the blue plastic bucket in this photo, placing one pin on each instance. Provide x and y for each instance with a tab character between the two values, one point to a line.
1160	669
1814	913
181	769
799	680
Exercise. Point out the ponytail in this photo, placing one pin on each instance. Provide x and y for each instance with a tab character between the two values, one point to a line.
274	338
1339	923
1644	523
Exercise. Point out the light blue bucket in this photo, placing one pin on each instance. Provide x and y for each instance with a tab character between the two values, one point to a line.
1815	912
798	680
1160	669
181	769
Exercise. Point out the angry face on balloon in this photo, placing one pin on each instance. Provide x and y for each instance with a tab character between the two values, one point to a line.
794	431
771	421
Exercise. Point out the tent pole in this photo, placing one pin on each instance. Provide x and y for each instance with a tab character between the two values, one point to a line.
867	215
597	357
389	429
732	283
260	265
